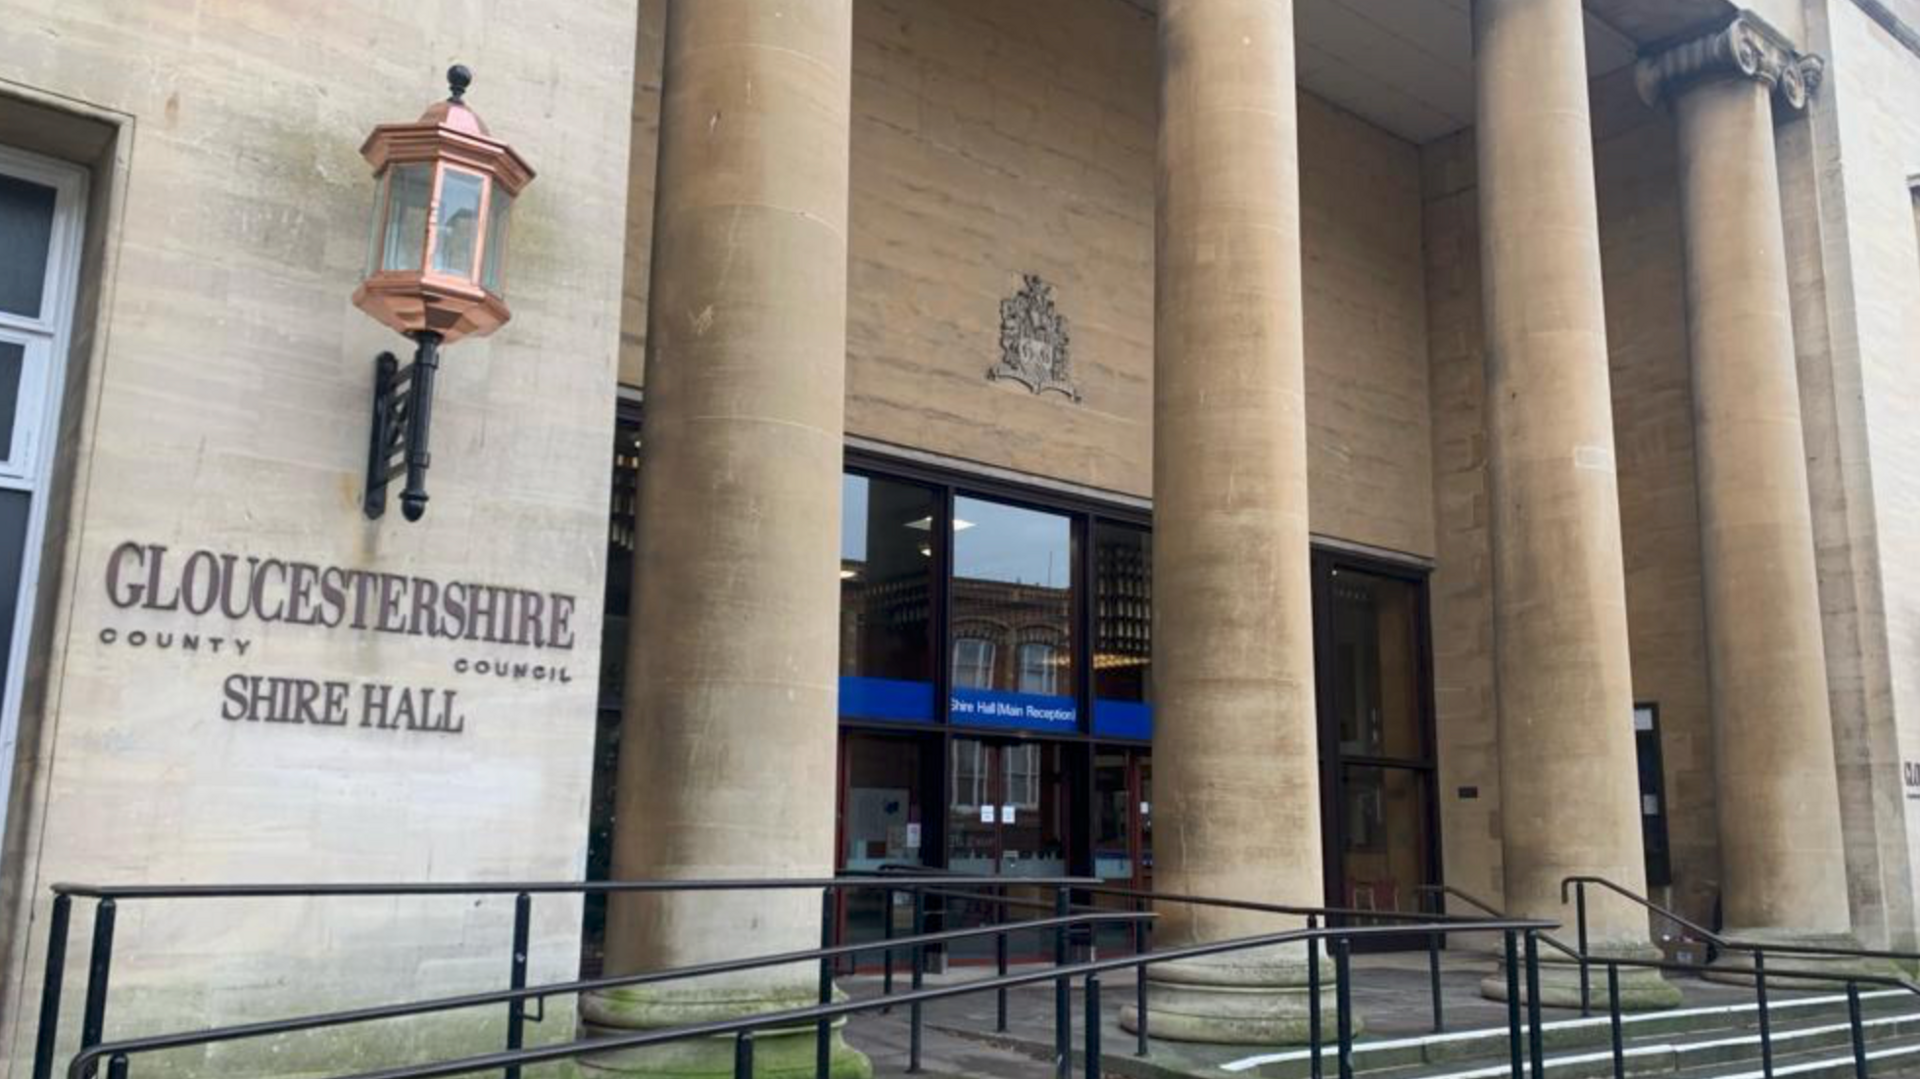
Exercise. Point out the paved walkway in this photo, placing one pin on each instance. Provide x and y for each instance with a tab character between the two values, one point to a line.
1390	995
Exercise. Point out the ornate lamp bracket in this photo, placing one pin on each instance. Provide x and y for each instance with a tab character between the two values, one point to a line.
1747	47
402	413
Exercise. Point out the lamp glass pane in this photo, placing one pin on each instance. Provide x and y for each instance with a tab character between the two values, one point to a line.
497	215
377	218
458	232
407	203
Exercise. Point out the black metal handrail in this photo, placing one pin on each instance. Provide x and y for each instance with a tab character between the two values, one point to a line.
1758	950
1482	905
108	897
118	1054
1731	944
241	1031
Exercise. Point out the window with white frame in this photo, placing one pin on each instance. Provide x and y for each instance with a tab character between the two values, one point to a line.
973	663
969	775
1039	668
41	210
1023	776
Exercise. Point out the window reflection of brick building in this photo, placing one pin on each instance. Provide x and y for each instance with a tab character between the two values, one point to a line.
1014	637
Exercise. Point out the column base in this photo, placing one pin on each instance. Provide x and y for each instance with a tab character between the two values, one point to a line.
1736	968
1642	989
779	1053
1253	998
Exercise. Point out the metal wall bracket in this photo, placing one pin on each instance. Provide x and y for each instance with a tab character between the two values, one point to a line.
397	440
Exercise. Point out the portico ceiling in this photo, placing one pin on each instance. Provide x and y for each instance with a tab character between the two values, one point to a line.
1407	65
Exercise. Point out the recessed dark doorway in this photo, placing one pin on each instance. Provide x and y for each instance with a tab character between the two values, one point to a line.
1377	770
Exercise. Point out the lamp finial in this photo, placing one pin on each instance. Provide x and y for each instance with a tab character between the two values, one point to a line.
458	79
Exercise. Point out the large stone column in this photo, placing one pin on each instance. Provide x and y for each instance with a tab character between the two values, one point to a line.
1234	742
1569	798
1781	847
727	752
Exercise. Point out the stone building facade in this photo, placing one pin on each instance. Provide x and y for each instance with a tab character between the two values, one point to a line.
1452	443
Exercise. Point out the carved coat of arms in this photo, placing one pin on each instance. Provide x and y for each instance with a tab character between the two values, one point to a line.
1033	341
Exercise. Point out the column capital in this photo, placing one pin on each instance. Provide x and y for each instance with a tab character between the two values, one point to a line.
1746	47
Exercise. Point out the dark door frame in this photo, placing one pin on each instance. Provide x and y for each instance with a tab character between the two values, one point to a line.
1333	823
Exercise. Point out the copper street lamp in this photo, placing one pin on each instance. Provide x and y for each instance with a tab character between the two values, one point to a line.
443	190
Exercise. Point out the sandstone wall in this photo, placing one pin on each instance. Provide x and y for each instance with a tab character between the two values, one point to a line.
220	401
988	144
1857	311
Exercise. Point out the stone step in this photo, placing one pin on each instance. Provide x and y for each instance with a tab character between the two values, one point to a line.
1472	1053
1898	1057
1675	1057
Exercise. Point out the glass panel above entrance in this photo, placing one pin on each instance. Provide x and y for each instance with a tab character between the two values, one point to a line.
1122	631
886	599
1376	668
1013	617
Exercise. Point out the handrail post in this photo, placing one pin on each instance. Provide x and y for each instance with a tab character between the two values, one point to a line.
1513	1005
1433	981
743	1055
99	967
1000	968
56	973
1613	1020
1093	1027
823	1030
1343	1005
117	1066
1536	1039
1062	991
1580	913
886	934
1140	980
919	954
1766	1023
1859	1035
1314	1067
517	977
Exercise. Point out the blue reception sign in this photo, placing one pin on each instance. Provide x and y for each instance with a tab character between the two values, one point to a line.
1024	711
1123	719
886	698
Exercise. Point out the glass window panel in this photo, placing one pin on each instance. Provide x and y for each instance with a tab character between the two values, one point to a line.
1385	859
886	599
883	824
13	549
1377	666
411	193
1014	585
1123	613
459	226
1033	810
496	253
26	242
376	218
1039	668
13	360
972	663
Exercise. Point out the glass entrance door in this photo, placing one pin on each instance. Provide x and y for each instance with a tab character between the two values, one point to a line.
1376	742
1007	816
884	821
1122	832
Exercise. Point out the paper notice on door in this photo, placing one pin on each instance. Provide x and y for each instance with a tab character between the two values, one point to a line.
986	814
913	837
1006	815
